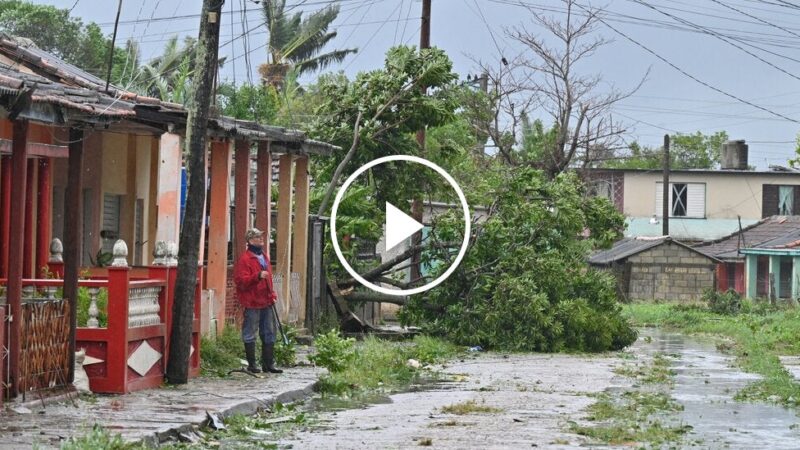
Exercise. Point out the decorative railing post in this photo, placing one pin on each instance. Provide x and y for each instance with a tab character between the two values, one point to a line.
92	322
55	264
163	269
118	293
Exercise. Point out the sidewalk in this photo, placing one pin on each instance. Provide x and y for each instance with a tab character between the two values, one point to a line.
155	414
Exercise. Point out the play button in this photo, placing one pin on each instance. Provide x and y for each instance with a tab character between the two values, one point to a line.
399	226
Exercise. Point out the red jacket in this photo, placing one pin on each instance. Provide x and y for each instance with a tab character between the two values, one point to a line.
251	291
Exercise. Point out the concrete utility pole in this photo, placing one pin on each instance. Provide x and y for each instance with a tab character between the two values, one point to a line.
196	140
665	199
416	208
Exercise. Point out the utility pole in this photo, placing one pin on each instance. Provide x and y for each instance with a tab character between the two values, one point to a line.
665	196
416	206
196	140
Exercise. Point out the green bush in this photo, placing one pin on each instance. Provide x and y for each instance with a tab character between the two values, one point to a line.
333	352
222	354
524	285
286	354
84	301
728	302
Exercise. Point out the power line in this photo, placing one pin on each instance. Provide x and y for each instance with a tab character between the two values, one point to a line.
686	74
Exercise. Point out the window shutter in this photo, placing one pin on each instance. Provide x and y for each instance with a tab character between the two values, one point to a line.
796	200
769	200
696	200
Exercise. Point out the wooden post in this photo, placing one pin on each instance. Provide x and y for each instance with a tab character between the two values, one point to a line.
264	188
5	214
218	230
241	197
283	255
43	209
300	238
665	206
197	126
28	257
19	156
73	233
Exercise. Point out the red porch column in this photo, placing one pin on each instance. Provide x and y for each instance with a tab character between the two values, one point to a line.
117	362
73	237
264	188
19	156
5	214
241	197
43	210
28	257
218	227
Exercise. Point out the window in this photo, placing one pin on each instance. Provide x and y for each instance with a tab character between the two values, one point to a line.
685	200
785	200
679	200
779	200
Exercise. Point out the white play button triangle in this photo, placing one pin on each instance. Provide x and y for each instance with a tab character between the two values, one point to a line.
399	226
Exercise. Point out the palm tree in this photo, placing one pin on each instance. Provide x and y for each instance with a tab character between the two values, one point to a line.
167	76
296	43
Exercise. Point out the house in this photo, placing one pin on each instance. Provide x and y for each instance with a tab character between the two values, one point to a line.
762	260
658	268
704	204
99	169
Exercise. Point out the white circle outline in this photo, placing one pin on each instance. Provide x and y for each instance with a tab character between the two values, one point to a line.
464	206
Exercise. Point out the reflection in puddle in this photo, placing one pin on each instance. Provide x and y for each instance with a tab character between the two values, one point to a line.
705	383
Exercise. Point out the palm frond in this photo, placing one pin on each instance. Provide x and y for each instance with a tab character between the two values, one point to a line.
322	61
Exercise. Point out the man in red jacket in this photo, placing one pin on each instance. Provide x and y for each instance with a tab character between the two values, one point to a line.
253	277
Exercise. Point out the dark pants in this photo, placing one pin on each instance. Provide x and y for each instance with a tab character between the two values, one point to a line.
259	321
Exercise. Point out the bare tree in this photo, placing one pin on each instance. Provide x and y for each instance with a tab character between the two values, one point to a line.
545	77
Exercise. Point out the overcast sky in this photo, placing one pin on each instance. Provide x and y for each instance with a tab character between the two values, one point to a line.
695	38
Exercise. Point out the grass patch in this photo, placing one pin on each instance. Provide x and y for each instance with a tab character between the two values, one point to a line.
375	364
658	371
99	438
469	407
632	418
223	353
760	333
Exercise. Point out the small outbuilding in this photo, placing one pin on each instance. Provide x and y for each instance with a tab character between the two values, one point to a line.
657	268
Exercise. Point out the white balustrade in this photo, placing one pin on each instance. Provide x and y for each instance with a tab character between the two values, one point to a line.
143	307
92	322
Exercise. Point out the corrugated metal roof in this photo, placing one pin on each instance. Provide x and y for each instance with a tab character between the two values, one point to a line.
628	247
771	232
625	248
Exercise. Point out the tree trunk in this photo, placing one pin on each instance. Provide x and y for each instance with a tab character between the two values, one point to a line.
197	124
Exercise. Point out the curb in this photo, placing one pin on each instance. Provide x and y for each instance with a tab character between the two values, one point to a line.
248	407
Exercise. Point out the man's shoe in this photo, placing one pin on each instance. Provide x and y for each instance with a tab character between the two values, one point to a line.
268	358
250	353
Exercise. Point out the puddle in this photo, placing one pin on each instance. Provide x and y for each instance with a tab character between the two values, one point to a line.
705	383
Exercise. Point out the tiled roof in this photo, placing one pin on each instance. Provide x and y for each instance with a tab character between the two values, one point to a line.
772	232
26	70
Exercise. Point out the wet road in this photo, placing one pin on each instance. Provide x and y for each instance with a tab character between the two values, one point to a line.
705	384
536	397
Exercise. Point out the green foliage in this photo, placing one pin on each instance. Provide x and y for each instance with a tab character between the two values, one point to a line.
220	355
524	284
297	43
258	103
54	31
84	301
98	438
729	302
333	352
393	108
286	354
687	151
383	365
